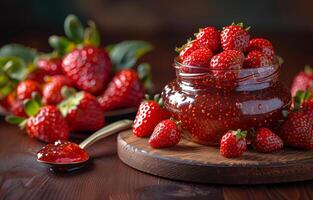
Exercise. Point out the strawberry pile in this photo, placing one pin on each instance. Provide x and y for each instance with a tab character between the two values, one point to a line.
71	88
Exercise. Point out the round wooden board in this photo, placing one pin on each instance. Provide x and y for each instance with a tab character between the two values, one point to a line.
197	163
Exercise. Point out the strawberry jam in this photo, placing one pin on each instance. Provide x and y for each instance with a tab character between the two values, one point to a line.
62	152
210	102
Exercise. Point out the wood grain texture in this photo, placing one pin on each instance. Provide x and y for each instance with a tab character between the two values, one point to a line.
203	164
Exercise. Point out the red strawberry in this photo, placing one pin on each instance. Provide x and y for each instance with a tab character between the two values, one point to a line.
235	37
266	141
52	90
297	131
303	81
82	112
17	108
125	90
262	45
149	114
89	68
198	58
51	66
47	125
37	75
209	37
25	89
165	134
307	107
256	59
233	144
187	49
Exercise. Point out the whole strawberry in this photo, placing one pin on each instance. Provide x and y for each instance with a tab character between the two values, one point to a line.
124	90
165	134
303	81
256	59
51	93
149	114
37	75
25	89
198	58
82	112
262	45
233	144
235	37
266	141
50	66
297	130
187	49
88	68
17	108
209	37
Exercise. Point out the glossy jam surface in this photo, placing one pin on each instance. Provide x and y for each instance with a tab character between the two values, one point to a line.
208	108
62	152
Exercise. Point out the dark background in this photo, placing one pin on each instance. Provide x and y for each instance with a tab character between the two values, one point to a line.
166	24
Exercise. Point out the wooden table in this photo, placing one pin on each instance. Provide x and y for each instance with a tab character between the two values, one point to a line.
21	177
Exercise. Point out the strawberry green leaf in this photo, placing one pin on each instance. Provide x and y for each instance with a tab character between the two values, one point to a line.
145	75
70	103
31	107
16	50
3	79
74	29
61	45
5	90
91	35
13	67
300	97
125	54
14	119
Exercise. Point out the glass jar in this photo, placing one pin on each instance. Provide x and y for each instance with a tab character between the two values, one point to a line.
211	102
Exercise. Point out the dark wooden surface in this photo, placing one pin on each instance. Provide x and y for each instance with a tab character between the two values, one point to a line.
21	177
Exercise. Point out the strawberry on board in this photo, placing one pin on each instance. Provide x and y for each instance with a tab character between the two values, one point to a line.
25	89
149	114
233	144
262	45
303	81
82	112
235	37
209	37
166	134
266	141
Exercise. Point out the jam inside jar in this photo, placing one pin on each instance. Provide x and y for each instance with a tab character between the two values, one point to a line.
211	102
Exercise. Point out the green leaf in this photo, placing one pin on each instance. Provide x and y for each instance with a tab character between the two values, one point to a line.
14	119
74	29
31	107
16	50
300	97
125	54
5	90
13	67
91	35
60	44
3	79
145	75
70	103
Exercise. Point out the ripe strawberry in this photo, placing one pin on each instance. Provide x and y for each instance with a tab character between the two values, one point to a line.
198	58
209	38
233	144
256	59
47	125
50	66
297	130
82	112
187	49
235	37
25	89
37	75
88	68
266	141
149	114
52	90
262	45
307	107
303	81
125	90
165	134
17	108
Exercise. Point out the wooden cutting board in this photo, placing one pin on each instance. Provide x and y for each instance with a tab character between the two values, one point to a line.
202	164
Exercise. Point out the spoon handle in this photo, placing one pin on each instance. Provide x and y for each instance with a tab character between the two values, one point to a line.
105	132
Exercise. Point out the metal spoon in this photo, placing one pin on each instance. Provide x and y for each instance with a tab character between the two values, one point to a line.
100	134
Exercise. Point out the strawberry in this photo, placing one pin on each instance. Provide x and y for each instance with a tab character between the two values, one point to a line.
88	68
125	90
51	66
82	112
187	49
17	108
47	125
165	134
297	130
25	89
228	59
256	59
262	45
149	114
209	38
307	107
303	81
198	58
233	144
37	75
52	90
235	37
266	141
